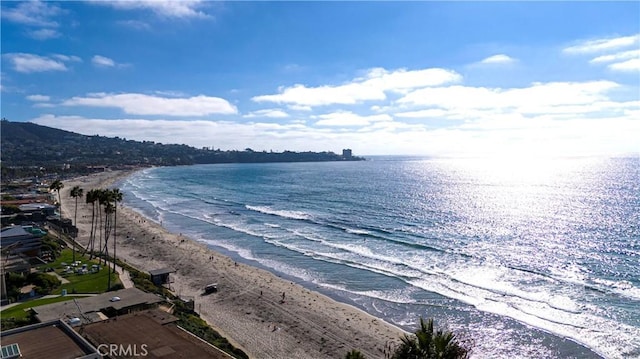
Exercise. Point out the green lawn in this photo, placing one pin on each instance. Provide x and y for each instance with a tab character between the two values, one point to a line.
19	312
81	283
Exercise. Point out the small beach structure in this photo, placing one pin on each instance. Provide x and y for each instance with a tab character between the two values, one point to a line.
161	276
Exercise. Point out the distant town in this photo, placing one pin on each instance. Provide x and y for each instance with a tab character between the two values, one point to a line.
33	150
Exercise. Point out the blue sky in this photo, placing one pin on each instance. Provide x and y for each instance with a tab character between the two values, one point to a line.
422	78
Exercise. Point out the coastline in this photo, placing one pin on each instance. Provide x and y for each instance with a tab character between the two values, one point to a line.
248	308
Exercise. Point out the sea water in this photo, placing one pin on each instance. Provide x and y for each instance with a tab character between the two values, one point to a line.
526	257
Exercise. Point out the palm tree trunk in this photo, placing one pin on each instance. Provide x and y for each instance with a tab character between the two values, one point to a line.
75	222
92	235
107	232
115	223
84	251
100	234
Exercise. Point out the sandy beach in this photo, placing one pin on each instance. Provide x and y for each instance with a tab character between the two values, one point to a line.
248	309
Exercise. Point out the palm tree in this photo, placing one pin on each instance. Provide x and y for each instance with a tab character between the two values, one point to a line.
108	209
76	192
103	200
116	195
429	344
92	197
57	185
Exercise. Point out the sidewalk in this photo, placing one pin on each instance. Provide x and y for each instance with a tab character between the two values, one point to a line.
124	277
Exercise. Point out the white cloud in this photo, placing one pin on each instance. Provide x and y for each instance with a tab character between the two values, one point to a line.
509	134
620	61
44	34
429	113
537	98
35	14
164	8
226	135
498	59
141	104
368	88
629	65
38	98
600	45
403	79
67	58
271	113
625	55
301	95
299	108
349	119
102	61
29	63
32	13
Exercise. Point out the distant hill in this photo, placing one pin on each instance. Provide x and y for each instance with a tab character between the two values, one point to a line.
27	147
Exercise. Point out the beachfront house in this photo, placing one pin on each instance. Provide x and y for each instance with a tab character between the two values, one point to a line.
99	307
23	240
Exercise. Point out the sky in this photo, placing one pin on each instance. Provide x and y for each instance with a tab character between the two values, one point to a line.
382	78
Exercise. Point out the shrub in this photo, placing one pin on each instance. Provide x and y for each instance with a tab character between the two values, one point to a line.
354	354
44	283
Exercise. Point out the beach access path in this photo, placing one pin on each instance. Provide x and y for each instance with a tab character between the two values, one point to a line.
248	308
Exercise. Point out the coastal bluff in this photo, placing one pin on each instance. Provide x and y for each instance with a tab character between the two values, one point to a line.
28	149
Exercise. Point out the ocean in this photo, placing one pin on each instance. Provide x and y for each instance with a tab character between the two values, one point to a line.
525	257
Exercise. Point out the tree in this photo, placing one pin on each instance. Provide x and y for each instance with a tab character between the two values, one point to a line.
429	344
108	209
57	185
116	195
92	197
76	192
104	200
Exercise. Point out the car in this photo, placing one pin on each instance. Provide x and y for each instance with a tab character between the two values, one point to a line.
114	299
211	288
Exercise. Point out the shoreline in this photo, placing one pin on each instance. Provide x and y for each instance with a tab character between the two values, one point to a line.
248	308
239	312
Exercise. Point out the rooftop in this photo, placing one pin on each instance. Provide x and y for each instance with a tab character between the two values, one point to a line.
61	341
130	297
152	332
161	271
